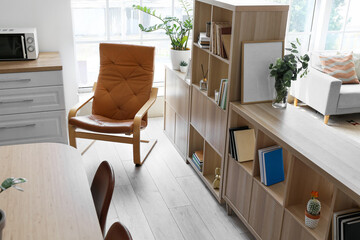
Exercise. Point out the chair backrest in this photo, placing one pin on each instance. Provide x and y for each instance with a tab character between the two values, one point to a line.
102	189
125	80
118	231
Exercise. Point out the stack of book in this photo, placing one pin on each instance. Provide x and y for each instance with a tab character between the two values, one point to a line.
220	38
346	224
198	159
271	165
242	143
221	99
204	41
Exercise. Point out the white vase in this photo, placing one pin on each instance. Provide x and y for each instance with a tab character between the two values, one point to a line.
183	69
177	56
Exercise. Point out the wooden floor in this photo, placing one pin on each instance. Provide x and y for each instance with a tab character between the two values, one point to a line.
163	199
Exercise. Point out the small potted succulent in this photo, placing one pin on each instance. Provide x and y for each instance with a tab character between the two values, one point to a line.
183	66
312	212
9	182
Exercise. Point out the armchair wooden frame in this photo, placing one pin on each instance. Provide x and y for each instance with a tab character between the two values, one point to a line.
134	140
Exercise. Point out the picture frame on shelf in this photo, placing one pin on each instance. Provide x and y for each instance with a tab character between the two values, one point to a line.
256	84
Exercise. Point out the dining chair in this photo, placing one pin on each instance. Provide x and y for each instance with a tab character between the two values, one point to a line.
118	231
102	188
122	97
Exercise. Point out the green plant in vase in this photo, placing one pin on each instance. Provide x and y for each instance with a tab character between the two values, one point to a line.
288	69
177	30
8	183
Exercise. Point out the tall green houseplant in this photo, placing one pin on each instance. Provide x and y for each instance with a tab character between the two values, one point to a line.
287	69
177	30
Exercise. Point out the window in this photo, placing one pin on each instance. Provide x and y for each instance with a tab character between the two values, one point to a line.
344	25
115	21
300	21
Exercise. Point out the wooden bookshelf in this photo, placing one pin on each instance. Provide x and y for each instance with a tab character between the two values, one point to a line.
249	22
315	159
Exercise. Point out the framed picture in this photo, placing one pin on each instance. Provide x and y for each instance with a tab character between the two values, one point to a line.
256	84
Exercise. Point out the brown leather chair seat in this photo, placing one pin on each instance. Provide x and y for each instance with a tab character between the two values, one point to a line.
103	124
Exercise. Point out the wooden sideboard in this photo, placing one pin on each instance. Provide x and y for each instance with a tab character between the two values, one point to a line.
176	109
32	105
316	158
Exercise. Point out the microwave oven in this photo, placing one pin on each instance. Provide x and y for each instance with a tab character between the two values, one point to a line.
18	44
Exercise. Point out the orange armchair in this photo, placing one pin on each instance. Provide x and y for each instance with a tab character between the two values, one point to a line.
121	100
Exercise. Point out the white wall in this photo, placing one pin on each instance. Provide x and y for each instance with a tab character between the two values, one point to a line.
52	18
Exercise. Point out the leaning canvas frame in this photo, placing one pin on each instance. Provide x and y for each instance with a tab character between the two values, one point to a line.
256	84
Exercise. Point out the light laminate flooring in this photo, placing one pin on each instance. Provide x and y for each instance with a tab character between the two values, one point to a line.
163	199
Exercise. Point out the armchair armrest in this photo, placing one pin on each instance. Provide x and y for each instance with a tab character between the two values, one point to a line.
318	90
78	106
145	108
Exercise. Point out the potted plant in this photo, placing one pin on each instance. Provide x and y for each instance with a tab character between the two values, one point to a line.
183	66
177	30
9	182
287	69
312	212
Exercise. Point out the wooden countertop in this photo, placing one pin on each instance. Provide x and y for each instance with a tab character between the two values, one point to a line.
309	139
56	203
47	61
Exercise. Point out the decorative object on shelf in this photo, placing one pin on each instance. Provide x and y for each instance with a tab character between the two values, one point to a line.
183	66
256	86
312	212
208	29
203	81
177	30
9	182
216	183
287	69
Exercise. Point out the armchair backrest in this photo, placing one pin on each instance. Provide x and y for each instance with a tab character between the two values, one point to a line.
125	80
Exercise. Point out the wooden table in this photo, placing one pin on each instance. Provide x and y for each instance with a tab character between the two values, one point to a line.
56	203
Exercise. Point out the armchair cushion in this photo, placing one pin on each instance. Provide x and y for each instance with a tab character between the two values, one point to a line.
103	124
125	80
349	96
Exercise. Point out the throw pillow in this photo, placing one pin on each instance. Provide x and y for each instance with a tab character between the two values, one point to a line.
341	67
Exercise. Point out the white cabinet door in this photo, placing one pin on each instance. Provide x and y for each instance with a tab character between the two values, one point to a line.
26	100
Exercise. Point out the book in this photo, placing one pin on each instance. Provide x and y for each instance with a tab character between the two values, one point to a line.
261	160
271	165
232	140
224	30
200	155
336	215
221	91
224	96
203	37
345	228
244	144
196	162
352	230
226	39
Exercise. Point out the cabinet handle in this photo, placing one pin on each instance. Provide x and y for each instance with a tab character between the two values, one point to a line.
16	101
18	126
15	80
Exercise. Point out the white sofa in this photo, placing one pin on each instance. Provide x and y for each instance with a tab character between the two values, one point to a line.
326	94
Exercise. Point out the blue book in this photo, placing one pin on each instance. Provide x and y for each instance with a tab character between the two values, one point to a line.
273	166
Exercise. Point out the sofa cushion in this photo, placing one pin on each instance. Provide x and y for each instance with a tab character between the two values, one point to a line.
349	96
341	67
